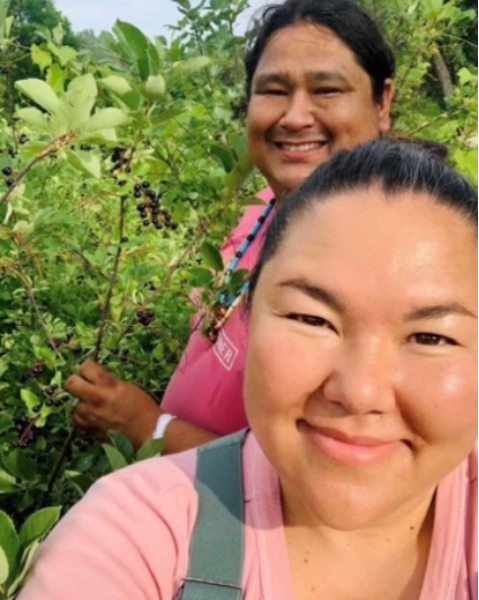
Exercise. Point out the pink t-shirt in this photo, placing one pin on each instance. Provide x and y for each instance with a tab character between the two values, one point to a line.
128	538
207	387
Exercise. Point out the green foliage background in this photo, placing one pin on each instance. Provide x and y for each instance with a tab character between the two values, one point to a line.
76	263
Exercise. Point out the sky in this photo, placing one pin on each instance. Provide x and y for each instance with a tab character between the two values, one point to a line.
151	16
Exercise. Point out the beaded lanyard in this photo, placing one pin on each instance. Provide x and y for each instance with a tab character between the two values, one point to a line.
225	304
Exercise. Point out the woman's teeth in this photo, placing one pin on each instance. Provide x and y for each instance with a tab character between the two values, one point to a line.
301	147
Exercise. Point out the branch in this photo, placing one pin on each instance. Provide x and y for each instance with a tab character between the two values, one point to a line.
26	170
113	278
443	75
48	150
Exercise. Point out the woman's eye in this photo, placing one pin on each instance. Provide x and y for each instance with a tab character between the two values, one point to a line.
432	339
311	320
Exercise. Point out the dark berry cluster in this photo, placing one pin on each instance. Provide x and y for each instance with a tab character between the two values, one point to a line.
7	172
145	317
23	139
149	209
122	354
26	430
54	395
119	159
36	369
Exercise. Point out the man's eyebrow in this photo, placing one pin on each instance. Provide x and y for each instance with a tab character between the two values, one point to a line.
437	311
315	292
326	77
268	78
315	77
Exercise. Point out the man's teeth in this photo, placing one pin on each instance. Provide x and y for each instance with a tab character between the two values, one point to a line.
301	147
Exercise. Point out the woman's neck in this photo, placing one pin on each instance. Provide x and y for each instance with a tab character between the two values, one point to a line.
336	564
408	527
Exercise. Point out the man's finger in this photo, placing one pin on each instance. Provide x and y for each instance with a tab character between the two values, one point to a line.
96	374
82	389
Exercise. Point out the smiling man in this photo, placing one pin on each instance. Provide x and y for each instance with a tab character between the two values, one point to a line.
318	79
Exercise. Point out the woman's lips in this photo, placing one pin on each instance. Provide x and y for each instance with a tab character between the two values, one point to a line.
352	450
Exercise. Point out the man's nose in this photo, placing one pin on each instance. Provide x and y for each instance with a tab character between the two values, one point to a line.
299	113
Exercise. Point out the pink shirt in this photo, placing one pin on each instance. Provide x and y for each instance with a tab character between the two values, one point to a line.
128	538
207	387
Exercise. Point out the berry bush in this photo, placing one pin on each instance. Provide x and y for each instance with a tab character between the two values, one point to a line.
123	166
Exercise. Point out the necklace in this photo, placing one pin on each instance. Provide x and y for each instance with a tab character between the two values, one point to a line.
228	301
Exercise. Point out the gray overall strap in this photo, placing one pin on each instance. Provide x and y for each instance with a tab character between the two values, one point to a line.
216	549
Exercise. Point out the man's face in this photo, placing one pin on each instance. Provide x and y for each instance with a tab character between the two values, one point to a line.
309	98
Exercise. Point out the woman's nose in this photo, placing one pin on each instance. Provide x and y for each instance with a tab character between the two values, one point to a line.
362	382
300	112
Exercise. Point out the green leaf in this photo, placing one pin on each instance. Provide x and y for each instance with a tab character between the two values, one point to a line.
123	444
155	87
4	566
223	156
40	57
8	483
56	78
9	547
35	118
29	398
40	92
107	118
38	525
65	54
84	161
165	115
212	256
137	44
74	108
115	457
20	465
121	88
150	449
191	65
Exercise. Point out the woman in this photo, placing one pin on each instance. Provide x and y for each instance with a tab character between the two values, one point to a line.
360	474
318	79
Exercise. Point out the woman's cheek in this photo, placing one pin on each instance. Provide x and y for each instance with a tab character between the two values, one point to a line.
442	399
282	368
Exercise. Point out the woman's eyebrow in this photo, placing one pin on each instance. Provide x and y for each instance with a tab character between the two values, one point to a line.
437	311
315	292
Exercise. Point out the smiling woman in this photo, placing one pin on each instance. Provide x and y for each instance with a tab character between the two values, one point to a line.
361	392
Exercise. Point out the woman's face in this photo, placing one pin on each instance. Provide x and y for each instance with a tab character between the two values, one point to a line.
309	98
361	378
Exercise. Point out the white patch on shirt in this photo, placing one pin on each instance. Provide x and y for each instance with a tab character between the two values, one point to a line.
225	350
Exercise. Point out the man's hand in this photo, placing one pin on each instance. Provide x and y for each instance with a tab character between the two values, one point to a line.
106	402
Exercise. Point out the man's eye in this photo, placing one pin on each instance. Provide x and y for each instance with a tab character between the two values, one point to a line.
310	320
272	92
324	91
432	339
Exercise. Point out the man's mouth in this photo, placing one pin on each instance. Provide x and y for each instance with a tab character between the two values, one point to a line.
300	146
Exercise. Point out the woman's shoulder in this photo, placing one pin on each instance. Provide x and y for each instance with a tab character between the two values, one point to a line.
128	536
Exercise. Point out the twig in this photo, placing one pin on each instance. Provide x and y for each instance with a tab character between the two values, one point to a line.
56	467
113	278
26	170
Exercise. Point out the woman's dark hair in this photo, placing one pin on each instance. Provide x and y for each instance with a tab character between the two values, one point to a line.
348	21
392	165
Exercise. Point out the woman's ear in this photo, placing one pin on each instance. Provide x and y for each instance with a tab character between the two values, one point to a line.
384	106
